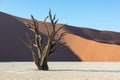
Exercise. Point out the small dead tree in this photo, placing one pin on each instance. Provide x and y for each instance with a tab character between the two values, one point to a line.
42	54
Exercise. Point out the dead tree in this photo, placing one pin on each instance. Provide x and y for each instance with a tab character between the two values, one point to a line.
42	54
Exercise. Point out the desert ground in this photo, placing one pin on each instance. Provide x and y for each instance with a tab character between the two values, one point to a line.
61	71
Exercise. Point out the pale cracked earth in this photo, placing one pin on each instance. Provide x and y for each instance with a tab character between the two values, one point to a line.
61	71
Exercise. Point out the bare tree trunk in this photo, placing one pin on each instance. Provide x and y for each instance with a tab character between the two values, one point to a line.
43	66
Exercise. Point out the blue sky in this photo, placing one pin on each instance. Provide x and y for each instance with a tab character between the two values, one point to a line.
96	14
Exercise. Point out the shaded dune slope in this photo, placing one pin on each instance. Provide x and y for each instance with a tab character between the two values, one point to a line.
81	43
11	49
108	37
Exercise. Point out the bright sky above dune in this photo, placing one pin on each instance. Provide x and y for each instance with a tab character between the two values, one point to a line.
97	14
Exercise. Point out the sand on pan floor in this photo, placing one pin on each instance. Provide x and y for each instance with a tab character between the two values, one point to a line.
61	71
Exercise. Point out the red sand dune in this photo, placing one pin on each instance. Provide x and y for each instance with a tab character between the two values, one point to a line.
82	44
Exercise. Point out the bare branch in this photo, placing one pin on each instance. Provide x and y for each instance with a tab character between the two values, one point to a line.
46	18
60	37
56	21
35	24
24	43
30	48
44	23
52	21
29	40
54	17
58	30
29	26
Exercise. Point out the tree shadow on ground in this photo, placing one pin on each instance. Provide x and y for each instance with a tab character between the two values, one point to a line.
87	70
